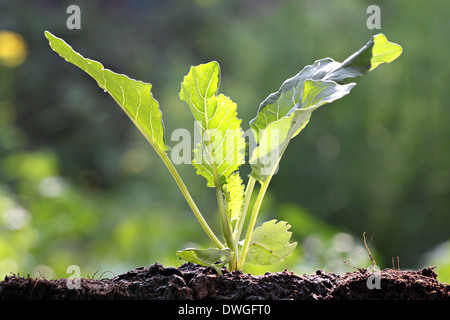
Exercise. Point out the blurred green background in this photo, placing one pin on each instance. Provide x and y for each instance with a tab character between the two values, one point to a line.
80	186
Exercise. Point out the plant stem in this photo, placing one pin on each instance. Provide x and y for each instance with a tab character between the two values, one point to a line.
226	226
243	216
252	222
189	200
178	180
255	211
224	217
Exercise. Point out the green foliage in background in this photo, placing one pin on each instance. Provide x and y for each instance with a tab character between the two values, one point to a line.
90	197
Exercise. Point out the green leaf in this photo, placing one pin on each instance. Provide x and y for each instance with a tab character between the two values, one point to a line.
222	148
270	243
384	51
234	196
133	96
283	114
211	257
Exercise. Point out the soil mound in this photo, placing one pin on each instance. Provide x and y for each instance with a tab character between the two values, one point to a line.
193	282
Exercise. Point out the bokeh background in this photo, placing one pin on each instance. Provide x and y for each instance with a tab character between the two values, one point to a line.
80	186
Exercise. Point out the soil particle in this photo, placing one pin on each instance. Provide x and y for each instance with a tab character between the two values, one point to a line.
192	282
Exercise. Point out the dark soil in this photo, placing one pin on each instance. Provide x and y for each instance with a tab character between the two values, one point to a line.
192	282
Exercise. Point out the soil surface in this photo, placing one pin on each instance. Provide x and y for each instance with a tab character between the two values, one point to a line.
192	282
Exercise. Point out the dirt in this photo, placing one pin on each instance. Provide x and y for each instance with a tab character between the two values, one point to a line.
192	282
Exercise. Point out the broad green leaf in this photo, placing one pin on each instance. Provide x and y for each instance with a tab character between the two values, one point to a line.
234	196
222	148
277	134
211	257
133	96
283	114
270	243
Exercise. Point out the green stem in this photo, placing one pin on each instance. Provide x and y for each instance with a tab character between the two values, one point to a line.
178	180
252	222
226	226
255	211
224	217
243	216
189	200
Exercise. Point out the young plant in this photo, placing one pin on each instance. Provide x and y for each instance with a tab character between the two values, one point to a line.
222	149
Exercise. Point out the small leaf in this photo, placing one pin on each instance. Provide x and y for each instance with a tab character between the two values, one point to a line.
270	243
222	149
384	51
211	257
234	195
133	96
283	114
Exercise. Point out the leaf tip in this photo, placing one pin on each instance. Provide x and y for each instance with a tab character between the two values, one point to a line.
384	51
48	35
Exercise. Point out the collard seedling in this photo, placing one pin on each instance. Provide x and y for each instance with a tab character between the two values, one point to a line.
222	149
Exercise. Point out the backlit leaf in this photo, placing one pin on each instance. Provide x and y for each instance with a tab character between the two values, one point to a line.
270	243
234	196
221	150
283	114
133	96
211	257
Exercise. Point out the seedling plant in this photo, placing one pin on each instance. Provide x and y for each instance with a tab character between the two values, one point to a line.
223	148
